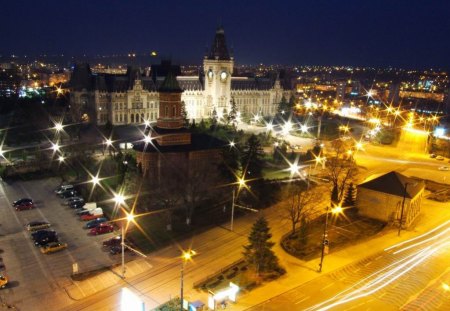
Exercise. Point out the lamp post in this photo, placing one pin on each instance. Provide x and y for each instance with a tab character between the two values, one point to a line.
241	183
403	206
119	199
185	256
325	242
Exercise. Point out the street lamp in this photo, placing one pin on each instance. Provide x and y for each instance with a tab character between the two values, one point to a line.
129	218
58	127
185	256
61	159
241	183
55	147
336	210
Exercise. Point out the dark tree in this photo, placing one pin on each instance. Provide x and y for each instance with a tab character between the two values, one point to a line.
232	115
184	114
214	118
283	106
229	164
252	158
350	196
258	253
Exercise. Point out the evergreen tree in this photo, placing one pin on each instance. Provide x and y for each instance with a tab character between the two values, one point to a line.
214	118
230	164
232	115
283	106
350	196
252	158
335	194
184	114
258	253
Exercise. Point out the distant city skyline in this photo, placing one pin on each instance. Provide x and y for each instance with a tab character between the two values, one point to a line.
406	34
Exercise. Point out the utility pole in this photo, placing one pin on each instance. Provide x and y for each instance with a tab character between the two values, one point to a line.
324	240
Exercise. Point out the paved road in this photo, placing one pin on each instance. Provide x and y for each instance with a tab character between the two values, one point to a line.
38	279
390	280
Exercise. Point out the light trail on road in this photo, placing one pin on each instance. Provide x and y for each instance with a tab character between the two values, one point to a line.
387	275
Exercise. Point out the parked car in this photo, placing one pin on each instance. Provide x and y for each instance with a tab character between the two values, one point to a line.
444	168
42	241
53	247
37	225
102	229
63	188
22	201
89	206
23	204
90	217
433	155
3	281
94	223
73	200
93	214
440	158
42	233
114	241
77	205
68	194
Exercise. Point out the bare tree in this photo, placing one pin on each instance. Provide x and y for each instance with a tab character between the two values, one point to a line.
341	168
302	205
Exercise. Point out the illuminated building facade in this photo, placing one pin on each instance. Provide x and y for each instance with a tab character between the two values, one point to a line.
132	97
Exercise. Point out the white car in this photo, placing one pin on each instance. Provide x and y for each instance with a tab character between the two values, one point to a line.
440	158
444	168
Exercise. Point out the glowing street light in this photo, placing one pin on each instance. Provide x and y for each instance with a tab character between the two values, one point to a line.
58	127
269	127
95	180
185	256
359	146
304	128
108	142
232	144
119	199
61	159
293	168
147	123
55	147
147	139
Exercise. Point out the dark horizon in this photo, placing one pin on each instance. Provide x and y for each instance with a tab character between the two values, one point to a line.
401	34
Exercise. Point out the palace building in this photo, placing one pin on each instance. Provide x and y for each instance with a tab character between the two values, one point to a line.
133	97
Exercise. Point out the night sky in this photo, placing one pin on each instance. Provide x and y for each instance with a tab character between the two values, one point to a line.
404	33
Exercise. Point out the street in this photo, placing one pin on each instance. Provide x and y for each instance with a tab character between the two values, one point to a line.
387	280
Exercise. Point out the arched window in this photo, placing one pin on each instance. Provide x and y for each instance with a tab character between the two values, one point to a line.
174	111
137	118
142	117
132	118
166	111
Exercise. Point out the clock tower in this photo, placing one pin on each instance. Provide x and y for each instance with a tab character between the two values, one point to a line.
218	69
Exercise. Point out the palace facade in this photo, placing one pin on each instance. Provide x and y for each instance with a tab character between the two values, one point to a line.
133	97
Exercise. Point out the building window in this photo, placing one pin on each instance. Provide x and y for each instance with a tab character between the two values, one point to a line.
174	110
132	118
166	111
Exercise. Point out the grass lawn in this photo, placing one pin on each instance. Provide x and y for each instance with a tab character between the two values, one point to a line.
341	232
275	173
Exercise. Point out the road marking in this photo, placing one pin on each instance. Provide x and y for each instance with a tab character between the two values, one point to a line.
329	285
367	264
301	300
378	257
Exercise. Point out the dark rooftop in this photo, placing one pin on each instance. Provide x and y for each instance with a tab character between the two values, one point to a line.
394	183
219	47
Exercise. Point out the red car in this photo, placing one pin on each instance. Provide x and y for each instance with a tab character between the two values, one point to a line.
90	217
102	228
23	205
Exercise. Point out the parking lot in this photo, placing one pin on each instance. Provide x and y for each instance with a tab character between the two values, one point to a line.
35	277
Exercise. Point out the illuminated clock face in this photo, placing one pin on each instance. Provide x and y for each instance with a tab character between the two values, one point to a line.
210	74
223	75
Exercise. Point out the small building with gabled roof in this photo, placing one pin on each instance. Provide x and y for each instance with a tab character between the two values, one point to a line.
382	197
